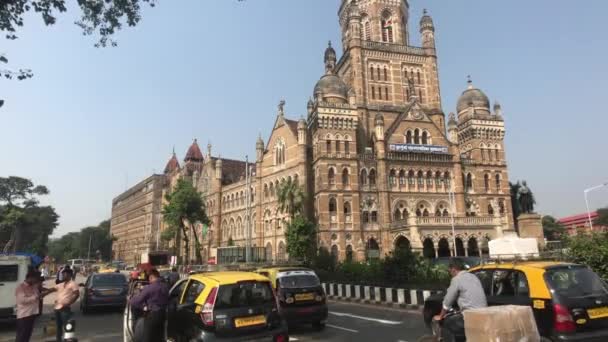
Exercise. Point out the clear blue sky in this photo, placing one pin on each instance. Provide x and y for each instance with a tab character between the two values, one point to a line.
92	121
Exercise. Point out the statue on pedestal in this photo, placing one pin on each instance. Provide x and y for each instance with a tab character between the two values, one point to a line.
525	199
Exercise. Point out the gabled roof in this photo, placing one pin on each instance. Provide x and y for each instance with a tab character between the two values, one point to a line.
194	153
172	164
233	170
404	115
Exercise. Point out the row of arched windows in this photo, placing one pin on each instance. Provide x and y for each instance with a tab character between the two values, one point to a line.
429	179
271	188
279	153
490	152
366	177
377	73
380	93
418	137
386	27
237	199
468	182
236	229
333	207
331	177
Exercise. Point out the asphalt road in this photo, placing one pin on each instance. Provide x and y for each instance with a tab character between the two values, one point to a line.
347	322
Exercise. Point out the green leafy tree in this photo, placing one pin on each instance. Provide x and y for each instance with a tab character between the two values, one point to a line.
20	211
301	239
602	217
552	229
184	209
290	197
76	244
591	250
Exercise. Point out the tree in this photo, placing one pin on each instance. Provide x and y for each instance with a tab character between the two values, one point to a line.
76	244
552	229
20	210
602	217
301	239
290	197
184	209
591	250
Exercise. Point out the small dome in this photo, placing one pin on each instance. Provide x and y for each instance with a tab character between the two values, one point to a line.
330	53
194	153
473	97
172	164
452	120
331	86
426	21
260	143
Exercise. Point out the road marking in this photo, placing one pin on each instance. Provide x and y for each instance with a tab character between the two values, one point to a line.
401	341
383	321
101	336
341	328
293	339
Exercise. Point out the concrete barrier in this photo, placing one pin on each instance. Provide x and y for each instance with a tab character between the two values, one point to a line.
395	297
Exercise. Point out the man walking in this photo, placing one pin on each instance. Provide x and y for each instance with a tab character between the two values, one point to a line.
154	299
28	296
173	276
67	294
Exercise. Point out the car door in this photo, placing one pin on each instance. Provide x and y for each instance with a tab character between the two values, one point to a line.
189	319
175	295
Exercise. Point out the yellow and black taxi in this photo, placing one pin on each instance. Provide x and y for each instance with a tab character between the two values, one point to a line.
224	306
569	301
301	296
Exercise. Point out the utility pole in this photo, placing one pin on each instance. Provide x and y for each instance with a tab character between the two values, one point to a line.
89	251
248	212
587	202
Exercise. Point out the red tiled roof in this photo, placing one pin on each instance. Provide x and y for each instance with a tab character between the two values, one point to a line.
577	219
172	164
194	153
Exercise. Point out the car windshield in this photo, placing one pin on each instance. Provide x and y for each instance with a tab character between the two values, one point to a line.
109	280
9	272
298	281
576	281
244	294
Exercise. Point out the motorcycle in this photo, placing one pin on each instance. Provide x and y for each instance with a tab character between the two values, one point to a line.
436	330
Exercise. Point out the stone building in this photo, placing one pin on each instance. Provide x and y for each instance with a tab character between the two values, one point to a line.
381	165
136	219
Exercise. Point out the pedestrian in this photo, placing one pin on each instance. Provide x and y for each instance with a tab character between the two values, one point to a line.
67	293
153	298
173	276
28	295
59	278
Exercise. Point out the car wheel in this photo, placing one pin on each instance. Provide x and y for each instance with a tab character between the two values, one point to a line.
318	325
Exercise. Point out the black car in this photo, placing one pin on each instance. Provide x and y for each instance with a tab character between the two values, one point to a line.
104	290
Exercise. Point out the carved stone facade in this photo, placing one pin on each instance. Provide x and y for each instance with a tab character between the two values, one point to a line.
374	154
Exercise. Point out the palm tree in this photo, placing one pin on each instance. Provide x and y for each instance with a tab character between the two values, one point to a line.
290	197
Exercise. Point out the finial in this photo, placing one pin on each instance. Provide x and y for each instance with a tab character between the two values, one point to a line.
469	82
281	107
195	141
425	12
329	43
209	148
174	150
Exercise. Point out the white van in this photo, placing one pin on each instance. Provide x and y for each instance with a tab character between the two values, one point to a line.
76	264
13	269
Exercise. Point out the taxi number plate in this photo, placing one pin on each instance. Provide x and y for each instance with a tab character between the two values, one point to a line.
598	313
110	292
305	296
249	321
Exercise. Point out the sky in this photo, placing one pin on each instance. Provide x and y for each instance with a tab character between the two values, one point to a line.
95	121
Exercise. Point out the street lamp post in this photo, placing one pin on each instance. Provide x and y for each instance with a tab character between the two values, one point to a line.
452	207
587	201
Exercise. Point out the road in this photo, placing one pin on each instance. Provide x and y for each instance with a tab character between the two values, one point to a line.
347	322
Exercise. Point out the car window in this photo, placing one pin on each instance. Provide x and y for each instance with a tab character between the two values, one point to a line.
510	283
485	277
575	281
244	294
178	288
9	272
265	274
298	281
192	291
109	280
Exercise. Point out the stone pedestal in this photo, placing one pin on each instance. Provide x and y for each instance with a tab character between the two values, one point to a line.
530	226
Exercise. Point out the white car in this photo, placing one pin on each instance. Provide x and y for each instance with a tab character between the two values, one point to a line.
13	269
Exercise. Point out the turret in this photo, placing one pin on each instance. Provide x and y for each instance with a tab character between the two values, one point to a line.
302	132
310	107
353	36
498	110
379	127
259	148
427	29
218	168
452	129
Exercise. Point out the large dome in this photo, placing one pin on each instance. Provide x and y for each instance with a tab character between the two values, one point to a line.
331	86
473	97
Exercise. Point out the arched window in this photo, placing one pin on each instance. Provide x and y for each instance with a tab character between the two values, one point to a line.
372	177
332	206
486	182
425	138
497	181
380	93
402	177
386	93
425	213
371	72
496	154
418	213
346	147
490	209
391	178
345	177
331	176
349	253
271	189
265	190
418	76
385	73
410	178
438	180
279	153
347	209
269	252
378	72
397	215
281	252
446	180
337	146
408	137
373	93
469	182
416	136
420	179
334	252
328	145
429	180
374	216
367	30
387	27
501	207
365	217
437	212
363	177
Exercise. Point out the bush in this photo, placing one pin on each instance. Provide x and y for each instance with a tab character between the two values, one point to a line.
590	250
